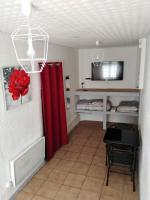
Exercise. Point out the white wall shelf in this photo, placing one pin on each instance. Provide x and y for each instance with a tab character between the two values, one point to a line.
105	94
88	111
134	114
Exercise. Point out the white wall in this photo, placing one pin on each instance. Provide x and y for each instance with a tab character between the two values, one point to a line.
127	54
22	126
144	168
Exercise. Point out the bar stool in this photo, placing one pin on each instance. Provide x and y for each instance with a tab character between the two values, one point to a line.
121	149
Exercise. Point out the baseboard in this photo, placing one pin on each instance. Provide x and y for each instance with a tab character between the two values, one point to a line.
24	182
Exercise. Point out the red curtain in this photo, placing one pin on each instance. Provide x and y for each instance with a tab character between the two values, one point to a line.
53	103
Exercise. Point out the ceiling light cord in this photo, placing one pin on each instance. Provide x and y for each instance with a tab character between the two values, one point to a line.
26	7
98	56
27	10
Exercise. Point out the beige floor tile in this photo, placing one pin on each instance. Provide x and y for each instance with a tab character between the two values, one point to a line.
74	180
64	165
78	141
80	168
127	180
87	173
110	193
93	184
114	185
85	134
128	193
49	190
92	142
34	185
88	195
75	148
66	147
101	152
60	154
88	150
100	161
71	156
78	136
116	179
24	196
40	198
85	158
67	193
52	163
57	176
43	173
96	137
109	198
97	171
102	146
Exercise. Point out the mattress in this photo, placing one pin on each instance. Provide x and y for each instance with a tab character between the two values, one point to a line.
92	104
128	106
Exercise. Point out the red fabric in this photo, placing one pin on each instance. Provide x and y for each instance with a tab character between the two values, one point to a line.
54	113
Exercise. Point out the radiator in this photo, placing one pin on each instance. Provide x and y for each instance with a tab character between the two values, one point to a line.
25	163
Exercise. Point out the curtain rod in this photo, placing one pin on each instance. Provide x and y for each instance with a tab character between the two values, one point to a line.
51	63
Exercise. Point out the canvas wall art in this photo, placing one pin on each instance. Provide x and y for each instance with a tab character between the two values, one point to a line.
16	86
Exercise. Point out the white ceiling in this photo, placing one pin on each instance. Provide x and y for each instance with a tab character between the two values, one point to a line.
78	23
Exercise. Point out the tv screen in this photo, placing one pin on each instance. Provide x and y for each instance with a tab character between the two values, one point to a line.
108	70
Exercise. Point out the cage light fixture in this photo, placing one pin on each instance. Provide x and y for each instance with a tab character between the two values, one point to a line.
30	43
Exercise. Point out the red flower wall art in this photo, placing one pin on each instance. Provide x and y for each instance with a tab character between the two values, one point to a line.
16	86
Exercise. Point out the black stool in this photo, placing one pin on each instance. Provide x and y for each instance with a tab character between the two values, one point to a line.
121	149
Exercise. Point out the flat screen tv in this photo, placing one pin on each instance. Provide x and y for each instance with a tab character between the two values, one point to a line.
107	70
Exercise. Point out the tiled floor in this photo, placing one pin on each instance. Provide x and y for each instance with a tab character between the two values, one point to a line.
78	171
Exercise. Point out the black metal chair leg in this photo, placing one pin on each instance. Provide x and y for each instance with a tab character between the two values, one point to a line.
107	176
133	181
109	164
106	160
134	169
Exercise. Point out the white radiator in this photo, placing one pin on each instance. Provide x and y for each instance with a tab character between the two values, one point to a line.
25	163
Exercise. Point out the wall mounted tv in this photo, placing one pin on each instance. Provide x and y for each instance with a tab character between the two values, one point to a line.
107	70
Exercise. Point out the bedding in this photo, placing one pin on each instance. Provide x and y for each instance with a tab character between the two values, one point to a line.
128	106
92	104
